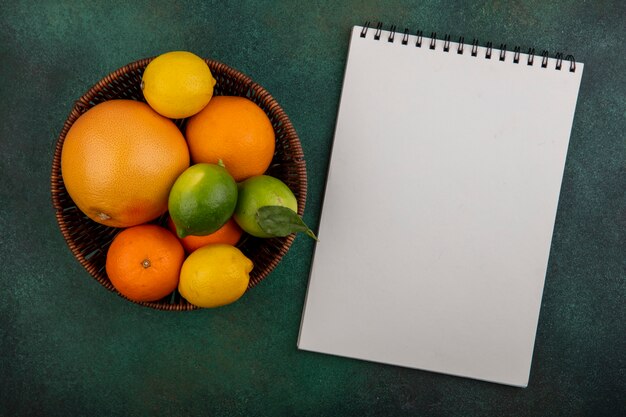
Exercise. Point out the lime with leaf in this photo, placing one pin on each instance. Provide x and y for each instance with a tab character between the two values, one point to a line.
266	208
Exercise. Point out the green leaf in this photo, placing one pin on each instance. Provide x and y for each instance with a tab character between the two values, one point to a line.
281	221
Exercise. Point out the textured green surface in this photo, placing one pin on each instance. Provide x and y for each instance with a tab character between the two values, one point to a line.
68	347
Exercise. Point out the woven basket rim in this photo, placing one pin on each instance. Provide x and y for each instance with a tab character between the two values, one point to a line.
83	104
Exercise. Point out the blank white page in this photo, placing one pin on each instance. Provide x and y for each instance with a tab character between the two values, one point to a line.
439	208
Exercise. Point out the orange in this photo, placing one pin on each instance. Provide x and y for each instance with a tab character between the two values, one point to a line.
119	161
230	234
144	262
234	130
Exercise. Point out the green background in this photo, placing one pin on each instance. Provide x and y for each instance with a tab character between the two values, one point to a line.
71	348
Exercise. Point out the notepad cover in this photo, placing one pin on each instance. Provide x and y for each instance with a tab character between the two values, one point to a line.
439	208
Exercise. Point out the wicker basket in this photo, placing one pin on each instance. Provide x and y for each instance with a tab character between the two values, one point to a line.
89	241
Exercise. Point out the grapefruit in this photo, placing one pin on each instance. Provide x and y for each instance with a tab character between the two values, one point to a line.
119	161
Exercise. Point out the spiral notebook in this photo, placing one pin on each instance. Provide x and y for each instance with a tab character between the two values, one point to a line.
440	204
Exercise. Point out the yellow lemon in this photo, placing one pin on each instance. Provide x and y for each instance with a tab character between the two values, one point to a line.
177	84
214	275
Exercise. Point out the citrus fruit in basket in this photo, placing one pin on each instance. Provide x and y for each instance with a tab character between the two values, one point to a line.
177	84
257	192
230	234
214	275
202	199
143	262
119	161
235	130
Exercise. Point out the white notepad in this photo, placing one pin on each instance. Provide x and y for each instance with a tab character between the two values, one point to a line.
439	207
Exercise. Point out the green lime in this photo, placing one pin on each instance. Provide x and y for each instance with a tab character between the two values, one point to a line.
202	199
257	192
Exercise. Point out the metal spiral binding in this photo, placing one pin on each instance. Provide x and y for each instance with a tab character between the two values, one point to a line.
392	32
379	28
572	63
475	47
531	56
418	43
474	51
544	59
502	51
559	61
